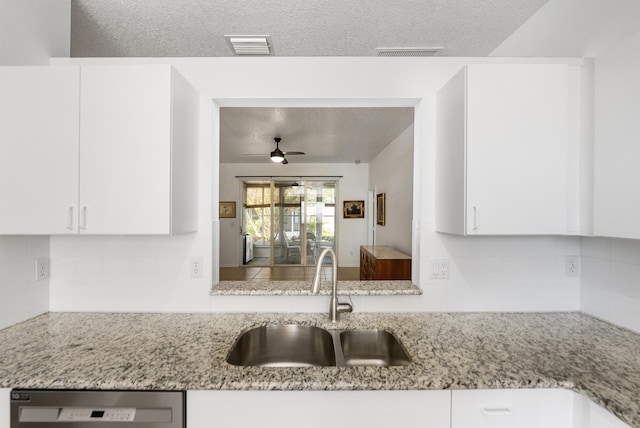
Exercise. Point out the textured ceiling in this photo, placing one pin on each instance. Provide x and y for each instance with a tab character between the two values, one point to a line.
326	135
183	28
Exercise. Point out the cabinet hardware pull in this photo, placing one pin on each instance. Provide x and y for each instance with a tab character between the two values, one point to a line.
475	218
496	411
83	223
70	218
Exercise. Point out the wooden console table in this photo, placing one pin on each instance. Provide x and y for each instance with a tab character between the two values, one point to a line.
383	262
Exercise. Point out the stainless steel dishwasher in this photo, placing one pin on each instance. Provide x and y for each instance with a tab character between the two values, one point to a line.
97	409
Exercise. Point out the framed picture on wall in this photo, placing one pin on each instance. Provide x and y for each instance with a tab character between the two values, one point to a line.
380	209
353	209
227	209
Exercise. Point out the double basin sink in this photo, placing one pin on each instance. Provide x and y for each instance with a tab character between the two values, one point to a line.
309	346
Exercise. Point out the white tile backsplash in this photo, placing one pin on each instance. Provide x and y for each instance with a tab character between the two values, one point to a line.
511	273
610	280
502	274
21	296
152	274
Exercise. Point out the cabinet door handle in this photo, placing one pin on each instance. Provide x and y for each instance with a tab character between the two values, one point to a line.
70	218
496	411
83	220
475	218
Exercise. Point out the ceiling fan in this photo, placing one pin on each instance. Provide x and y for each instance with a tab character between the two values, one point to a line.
278	155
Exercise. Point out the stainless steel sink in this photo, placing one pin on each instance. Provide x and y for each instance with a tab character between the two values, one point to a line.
372	348
307	346
284	346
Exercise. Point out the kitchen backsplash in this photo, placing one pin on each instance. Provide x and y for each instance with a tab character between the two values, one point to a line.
151	274
21	296
610	285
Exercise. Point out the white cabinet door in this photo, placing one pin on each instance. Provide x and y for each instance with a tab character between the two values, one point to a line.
129	161
5	409
512	408
318	409
517	149
601	418
39	150
617	152
503	150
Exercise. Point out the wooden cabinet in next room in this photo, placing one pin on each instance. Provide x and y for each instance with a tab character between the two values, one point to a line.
382	262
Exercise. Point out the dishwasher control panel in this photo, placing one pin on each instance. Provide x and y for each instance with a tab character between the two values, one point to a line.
78	414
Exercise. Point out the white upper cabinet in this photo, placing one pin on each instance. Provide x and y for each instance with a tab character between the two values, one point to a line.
617	145
138	151
39	125
98	150
503	150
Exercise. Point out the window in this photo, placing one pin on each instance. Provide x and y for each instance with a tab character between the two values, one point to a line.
258	212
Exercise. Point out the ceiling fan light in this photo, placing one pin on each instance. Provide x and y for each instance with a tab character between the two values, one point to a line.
277	155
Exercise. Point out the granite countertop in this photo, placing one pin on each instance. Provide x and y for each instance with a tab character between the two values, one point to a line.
303	288
448	351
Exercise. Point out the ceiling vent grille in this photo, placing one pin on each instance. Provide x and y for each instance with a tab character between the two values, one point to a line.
250	45
410	51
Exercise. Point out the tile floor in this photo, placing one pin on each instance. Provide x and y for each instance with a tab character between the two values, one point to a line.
284	273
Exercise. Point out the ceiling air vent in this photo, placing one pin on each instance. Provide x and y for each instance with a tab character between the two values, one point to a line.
410	51
250	45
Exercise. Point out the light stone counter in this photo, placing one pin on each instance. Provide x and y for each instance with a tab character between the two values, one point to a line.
448	351
303	288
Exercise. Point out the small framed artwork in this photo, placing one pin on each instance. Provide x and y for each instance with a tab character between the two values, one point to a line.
380	209
353	209
227	209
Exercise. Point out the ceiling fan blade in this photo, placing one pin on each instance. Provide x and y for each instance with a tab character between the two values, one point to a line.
255	154
294	153
285	161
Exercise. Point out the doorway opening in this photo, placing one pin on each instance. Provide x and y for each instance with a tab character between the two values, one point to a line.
287	221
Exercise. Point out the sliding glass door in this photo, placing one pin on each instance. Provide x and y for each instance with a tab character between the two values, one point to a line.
320	218
288	222
288	207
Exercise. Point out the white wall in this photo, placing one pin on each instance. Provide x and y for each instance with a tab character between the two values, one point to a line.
511	273
21	296
391	173
580	28
353	185
33	31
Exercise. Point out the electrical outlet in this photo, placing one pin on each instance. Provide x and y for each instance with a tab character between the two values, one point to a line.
440	269
572	265
444	268
195	267
42	268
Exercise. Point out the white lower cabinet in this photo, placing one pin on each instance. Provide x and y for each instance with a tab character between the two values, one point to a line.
601	418
513	408
509	408
318	409
4	408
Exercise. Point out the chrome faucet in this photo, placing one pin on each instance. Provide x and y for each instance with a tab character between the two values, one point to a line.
335	307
